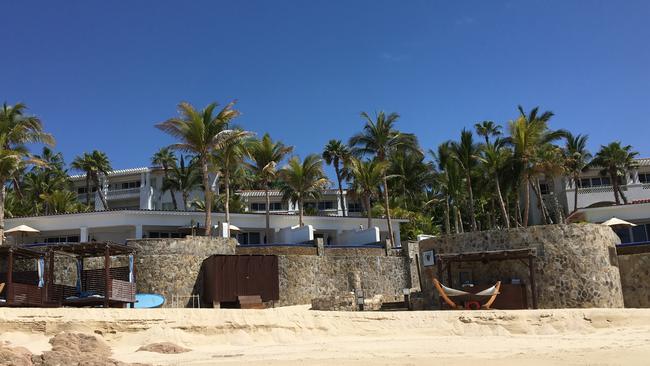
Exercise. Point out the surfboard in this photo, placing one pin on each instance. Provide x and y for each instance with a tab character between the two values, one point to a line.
148	301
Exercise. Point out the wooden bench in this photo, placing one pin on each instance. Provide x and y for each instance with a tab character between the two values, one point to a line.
250	302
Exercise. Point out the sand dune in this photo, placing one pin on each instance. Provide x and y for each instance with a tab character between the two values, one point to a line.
296	335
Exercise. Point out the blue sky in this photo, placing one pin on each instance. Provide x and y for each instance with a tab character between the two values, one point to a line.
101	74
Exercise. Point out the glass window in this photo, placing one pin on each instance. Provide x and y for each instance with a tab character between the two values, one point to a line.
585	182
639	234
276	206
355	207
606	181
254	238
326	205
624	234
543	187
596	182
644	177
258	206
242	238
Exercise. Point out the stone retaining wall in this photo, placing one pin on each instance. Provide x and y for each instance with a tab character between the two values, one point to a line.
635	279
576	266
173	266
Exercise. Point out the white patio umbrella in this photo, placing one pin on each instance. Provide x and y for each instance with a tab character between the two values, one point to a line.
22	230
614	221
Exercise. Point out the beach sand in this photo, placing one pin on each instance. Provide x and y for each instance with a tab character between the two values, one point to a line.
296	336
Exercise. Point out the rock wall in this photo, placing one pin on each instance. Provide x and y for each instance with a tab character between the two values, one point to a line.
576	265
303	278
635	273
173	266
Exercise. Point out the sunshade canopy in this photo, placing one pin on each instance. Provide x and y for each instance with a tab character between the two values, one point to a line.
22	229
614	221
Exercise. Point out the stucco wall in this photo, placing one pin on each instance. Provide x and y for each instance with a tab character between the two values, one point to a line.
173	266
576	265
635	279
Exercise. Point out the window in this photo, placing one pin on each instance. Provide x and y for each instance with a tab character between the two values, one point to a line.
82	190
543	187
249	238
256	206
325	205
596	182
163	234
355	207
585	183
624	234
639	234
644	177
61	239
606	181
128	185
276	206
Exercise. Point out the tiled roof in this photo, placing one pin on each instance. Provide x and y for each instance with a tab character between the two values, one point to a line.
276	193
118	172
643	161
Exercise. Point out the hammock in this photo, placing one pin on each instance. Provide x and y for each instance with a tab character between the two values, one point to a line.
447	292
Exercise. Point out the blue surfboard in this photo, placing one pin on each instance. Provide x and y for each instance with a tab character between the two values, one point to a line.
148	301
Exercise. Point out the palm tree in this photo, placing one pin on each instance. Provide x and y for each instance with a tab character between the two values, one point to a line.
466	153
83	163
494	158
380	139
336	154
232	152
183	179
367	177
615	160
199	133
528	133
167	160
577	159
302	180
16	130
487	129
62	201
265	155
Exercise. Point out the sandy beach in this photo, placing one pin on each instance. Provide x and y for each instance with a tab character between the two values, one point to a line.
296	335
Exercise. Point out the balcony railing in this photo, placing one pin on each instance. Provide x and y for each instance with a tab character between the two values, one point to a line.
123	192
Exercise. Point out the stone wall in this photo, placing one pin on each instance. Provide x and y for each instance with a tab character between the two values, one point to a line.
303	278
576	265
173	266
635	276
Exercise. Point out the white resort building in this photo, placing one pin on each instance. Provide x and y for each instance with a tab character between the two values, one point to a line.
596	202
139	208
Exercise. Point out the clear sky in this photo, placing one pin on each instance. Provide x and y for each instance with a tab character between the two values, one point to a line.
100	74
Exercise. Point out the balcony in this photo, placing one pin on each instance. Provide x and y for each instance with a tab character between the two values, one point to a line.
591	195
123	193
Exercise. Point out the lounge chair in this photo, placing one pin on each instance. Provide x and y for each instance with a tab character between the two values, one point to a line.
2	287
447	292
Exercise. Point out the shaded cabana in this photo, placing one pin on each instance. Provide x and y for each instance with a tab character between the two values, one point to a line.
107	286
444	262
20	285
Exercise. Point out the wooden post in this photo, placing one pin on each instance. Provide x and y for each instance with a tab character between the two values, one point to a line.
533	288
49	290
449	281
132	305
10	280
107	275
439	264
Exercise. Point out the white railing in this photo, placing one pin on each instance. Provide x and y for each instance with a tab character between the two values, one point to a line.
122	192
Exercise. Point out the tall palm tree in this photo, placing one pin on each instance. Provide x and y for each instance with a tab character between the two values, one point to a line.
232	152
184	179
302	180
494	158
528	133
93	164
367	177
16	130
265	155
199	133
615	160
487	129
336	153
166	159
379	139
466	153
83	163
577	158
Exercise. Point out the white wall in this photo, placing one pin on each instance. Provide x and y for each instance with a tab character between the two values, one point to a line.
358	237
295	234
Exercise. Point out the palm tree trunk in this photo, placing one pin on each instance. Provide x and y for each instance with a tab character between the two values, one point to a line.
268	212
472	214
526	201
460	221
368	211
300	213
456	228
504	212
171	190
338	178
185	195
614	179
575	192
208	196
88	189
3	191
540	201
17	188
387	207
447	222
100	191
227	203
518	218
